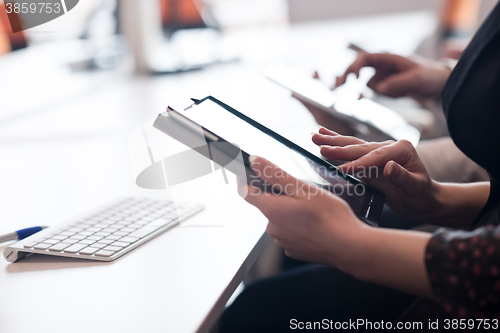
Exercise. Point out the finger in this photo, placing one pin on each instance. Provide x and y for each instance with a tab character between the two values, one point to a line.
400	152
339	140
360	62
397	85
275	176
364	59
264	201
399	176
352	152
326	131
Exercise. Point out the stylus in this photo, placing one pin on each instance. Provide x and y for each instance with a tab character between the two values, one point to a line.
20	234
356	48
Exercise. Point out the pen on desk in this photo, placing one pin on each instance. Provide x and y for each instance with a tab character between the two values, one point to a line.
20	234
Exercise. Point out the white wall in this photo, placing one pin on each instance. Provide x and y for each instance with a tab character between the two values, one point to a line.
304	10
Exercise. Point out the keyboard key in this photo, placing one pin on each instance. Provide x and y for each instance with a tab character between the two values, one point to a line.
70	241
128	229
113	248
78	237
67	233
75	229
120	233
93	229
102	234
110	230
89	250
86	241
75	248
123	222
59	247
30	245
94	238
113	237
42	246
122	215
121	244
106	241
85	233
129	239
85	225
59	237
99	245
105	253
51	241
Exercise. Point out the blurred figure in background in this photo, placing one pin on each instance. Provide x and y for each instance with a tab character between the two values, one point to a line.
458	22
9	41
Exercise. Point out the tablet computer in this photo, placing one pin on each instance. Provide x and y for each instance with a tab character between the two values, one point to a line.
228	137
367	118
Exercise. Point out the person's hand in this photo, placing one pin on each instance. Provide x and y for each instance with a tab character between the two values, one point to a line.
393	168
308	222
397	76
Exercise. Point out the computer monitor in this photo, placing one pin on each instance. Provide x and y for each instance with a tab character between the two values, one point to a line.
149	26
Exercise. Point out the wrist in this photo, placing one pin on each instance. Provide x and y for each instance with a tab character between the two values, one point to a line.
435	205
358	251
396	259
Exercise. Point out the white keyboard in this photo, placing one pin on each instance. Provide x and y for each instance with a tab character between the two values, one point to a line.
106	234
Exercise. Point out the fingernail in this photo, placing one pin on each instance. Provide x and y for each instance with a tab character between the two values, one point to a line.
321	147
252	158
313	134
391	166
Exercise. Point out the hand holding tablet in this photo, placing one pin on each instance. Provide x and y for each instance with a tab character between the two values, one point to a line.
228	137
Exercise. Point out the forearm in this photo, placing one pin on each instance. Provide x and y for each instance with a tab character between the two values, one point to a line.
458	204
392	258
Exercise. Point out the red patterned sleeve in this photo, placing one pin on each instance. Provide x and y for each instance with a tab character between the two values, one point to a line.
464	270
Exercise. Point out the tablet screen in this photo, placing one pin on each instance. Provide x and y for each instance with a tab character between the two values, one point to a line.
255	141
251	140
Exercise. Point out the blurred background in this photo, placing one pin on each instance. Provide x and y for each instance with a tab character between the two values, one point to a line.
73	89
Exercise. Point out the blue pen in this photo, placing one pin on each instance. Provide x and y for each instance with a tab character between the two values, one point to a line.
20	234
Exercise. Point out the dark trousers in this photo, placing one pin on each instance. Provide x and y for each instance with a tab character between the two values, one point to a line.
307	294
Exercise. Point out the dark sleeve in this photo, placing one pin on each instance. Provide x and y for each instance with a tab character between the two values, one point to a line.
464	270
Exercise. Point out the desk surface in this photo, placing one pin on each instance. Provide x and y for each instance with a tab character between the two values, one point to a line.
68	155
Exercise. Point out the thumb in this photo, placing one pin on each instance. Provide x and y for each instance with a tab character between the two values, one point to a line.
397	85
274	175
399	176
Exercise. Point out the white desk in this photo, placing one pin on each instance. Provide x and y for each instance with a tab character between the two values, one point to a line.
64	158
